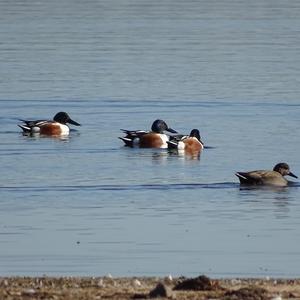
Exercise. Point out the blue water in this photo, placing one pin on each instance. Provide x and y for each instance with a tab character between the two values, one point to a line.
86	205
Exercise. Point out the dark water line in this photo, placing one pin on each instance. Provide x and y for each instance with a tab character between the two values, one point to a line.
150	102
177	186
142	187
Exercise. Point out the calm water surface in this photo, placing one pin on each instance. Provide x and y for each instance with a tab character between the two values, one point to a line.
86	205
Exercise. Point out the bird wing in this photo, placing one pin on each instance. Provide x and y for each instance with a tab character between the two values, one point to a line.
32	123
134	133
253	177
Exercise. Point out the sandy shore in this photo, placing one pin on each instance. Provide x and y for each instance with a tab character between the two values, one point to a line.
201	287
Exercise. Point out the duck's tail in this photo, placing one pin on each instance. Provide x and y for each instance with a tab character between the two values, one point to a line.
25	128
128	141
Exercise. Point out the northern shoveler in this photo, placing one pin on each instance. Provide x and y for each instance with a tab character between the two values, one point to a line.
156	138
189	143
57	126
266	177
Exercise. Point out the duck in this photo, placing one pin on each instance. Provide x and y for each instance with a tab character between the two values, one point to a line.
189	143
273	177
156	138
57	126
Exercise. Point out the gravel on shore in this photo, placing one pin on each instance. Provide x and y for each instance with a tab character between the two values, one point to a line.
201	287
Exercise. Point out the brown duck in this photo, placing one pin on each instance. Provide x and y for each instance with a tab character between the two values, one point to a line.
266	177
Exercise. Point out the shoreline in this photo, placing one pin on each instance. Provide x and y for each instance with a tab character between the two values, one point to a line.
107	287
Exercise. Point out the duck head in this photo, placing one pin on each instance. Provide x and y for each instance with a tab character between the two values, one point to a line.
284	169
159	126
64	118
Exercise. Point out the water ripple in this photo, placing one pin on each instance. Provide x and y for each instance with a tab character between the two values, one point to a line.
132	187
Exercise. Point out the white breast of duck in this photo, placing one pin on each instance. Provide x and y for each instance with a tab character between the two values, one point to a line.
65	130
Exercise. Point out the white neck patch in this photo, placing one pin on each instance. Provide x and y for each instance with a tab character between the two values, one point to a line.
164	138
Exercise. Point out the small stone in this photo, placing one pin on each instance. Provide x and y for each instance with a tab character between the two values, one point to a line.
29	292
100	283
278	297
200	283
247	293
161	290
235	281
40	284
137	283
